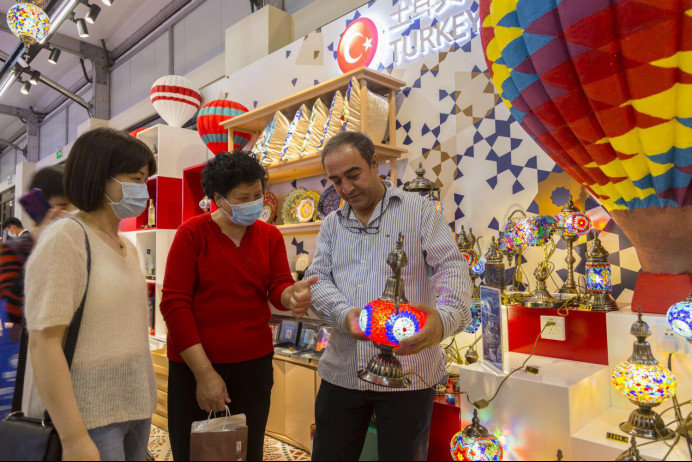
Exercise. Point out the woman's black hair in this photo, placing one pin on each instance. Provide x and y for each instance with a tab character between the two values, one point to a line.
98	155
227	171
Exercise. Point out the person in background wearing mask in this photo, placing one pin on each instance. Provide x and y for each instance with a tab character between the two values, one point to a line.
102	407
14	228
13	256
223	270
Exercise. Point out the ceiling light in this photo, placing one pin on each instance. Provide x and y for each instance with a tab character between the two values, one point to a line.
54	55
35	76
108	2
93	13
82	28
57	19
26	88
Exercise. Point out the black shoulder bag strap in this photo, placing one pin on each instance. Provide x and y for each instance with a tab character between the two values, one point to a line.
70	341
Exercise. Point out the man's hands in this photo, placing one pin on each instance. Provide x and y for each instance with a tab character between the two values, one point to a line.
430	336
298	297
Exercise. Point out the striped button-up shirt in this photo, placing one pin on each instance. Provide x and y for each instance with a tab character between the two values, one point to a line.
353	271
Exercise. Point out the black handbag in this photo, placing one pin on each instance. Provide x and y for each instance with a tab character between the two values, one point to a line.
24	438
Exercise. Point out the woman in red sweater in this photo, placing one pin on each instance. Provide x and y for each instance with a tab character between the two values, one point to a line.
223	270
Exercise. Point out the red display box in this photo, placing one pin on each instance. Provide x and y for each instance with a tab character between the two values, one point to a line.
193	192
586	335
445	424
656	293
166	193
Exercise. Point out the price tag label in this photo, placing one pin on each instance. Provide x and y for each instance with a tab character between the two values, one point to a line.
617	438
584	307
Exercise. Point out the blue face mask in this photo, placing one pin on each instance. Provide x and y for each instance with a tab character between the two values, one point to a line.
134	201
244	214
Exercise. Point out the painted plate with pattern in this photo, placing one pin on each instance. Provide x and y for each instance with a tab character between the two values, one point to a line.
288	208
329	202
306	209
302	262
269	209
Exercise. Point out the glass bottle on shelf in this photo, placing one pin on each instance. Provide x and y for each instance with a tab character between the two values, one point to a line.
156	154
152	214
149	267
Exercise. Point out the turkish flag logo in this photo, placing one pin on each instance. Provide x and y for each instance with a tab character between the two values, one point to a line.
358	45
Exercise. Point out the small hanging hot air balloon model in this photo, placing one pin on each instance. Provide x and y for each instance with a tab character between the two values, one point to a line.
387	321
176	99
609	98
209	126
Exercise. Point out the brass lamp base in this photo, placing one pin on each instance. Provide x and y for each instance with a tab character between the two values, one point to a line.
541	298
385	370
645	423
601	302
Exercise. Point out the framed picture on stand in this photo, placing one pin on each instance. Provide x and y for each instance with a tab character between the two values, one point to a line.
491	314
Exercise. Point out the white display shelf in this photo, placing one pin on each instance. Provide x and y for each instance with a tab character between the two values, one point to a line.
590	443
177	148
537	414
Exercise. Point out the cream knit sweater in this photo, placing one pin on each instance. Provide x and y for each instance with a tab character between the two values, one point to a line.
112	371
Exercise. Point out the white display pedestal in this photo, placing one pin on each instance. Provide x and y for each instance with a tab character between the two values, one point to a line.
537	414
572	406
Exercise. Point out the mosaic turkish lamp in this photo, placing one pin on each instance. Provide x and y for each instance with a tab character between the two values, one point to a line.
536	231
679	318
572	223
466	243
476	443
476	317
28	22
599	282
495	266
425	187
387	321
647	384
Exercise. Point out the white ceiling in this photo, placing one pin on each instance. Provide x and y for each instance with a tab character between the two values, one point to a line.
115	25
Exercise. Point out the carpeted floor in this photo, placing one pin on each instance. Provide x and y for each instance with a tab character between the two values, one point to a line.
274	450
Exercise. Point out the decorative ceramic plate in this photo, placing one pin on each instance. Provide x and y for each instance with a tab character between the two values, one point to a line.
269	209
306	210
290	203
302	262
329	201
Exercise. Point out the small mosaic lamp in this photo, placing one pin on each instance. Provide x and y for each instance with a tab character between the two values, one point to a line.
647	384
679	318
476	308
424	186
476	443
599	283
538	231
572	223
28	22
466	243
495	267
386	322
512	247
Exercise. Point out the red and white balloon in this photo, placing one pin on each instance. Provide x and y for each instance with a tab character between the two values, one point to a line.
176	99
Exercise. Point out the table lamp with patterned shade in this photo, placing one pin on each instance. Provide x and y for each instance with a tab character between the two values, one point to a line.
476	443
495	267
599	283
646	383
512	248
387	321
538	231
424	186
572	223
679	318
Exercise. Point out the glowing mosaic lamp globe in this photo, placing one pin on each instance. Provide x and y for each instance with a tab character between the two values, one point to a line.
571	224
28	22
476	443
679	318
383	325
536	231
646	383
599	281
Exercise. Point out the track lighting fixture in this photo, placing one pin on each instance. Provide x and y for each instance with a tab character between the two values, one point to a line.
81	26
26	88
54	55
93	13
108	2
35	76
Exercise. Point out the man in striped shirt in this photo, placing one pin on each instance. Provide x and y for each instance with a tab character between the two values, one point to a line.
351	263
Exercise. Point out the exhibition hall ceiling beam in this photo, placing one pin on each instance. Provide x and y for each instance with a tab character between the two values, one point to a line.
166	17
18	112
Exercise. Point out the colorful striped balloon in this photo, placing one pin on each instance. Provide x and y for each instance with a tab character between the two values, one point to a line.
604	87
176	99
213	134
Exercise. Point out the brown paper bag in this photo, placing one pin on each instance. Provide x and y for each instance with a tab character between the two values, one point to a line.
223	438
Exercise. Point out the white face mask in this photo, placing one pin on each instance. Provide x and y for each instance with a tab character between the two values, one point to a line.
134	201
12	235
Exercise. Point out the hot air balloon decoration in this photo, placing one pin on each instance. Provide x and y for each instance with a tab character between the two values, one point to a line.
176	99
209	126
604	89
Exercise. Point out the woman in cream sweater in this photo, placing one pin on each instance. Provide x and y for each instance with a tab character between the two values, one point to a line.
102	407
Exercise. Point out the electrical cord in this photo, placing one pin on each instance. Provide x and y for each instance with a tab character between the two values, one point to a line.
482	404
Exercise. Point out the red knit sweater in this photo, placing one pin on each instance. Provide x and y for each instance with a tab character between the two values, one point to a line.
217	294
